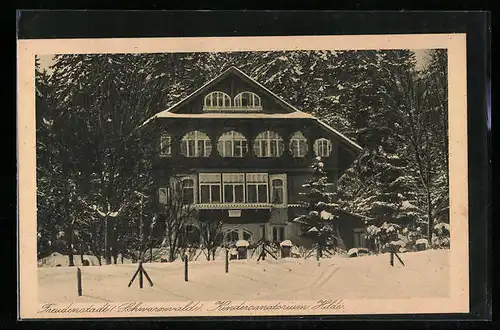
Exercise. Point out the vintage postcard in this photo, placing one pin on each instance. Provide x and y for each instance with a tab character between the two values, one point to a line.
242	176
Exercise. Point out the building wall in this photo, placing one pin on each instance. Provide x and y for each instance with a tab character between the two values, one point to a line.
296	169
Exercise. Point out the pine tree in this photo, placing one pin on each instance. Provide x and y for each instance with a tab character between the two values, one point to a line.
318	202
109	95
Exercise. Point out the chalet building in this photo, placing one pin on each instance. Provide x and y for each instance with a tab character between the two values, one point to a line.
242	155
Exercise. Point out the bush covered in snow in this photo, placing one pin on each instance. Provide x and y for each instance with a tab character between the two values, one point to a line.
441	238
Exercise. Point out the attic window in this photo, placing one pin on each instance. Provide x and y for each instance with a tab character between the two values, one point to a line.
216	100
247	100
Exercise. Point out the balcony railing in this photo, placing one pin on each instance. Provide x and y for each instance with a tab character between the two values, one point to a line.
232	206
250	108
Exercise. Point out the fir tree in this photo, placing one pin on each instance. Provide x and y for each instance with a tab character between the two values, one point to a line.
318	202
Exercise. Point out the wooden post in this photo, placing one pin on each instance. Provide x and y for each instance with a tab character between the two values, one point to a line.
227	260
140	275
185	267
401	261
392	259
317	251
79	281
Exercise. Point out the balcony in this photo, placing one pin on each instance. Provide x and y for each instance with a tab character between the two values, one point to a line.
232	109
233	206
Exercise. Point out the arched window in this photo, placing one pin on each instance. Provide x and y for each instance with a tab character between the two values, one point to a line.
246	235
268	144
196	144
323	147
298	145
232	236
232	144
247	100
277	191
217	100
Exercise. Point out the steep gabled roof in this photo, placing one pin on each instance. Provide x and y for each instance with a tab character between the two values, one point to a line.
294	112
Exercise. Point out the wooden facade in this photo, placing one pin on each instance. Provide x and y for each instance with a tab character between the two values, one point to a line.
220	132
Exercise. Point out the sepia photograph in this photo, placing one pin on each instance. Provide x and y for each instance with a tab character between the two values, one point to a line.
260	181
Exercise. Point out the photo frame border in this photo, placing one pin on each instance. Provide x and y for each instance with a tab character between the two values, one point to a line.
477	165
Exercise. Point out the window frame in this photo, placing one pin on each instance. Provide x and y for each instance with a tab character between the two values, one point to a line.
273	189
257	184
162	147
204	139
319	147
184	188
283	178
230	231
255	104
296	152
210	184
266	139
235	138
208	101
166	195
233	184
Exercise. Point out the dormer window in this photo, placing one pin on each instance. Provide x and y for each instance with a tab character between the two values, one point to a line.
247	100
217	100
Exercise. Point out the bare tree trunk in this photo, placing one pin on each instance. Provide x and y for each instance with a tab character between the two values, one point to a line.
429	216
107	254
82	251
70	244
69	225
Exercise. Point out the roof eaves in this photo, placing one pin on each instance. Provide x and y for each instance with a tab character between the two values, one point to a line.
342	136
187	97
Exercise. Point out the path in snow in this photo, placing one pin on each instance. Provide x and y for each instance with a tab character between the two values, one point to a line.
425	275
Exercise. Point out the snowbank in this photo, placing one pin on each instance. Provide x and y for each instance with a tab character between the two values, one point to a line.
59	260
425	275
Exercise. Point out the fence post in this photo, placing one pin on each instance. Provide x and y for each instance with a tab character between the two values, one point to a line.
185	267
392	259
79	281
227	260
317	251
140	275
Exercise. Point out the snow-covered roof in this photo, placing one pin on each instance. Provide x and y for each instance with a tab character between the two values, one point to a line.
166	114
242	243
295	113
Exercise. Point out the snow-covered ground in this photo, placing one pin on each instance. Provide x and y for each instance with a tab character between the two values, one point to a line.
426	274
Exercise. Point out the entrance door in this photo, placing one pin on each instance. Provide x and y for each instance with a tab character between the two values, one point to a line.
359	238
